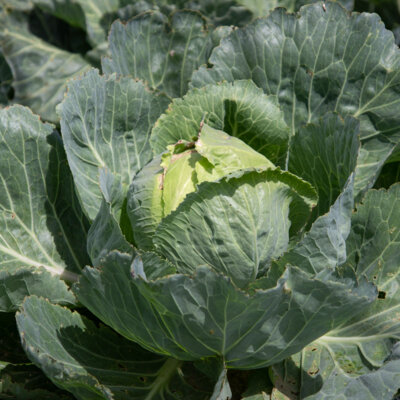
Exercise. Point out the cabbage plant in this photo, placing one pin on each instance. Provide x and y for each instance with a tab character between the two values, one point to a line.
213	222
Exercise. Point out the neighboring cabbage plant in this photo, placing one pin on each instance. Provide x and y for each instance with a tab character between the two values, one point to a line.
224	243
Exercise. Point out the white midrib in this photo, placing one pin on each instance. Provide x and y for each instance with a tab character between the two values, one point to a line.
352	339
53	269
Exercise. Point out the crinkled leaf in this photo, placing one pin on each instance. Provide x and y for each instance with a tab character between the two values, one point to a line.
39	70
42	227
236	225
321	61
239	109
205	315
336	370
18	282
106	123
325	154
374	247
324	246
360	359
96	363
163	52
160	186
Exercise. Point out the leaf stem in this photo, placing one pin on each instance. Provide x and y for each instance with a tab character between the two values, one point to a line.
164	376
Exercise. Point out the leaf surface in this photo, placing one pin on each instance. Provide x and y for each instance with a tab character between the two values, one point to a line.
323	247
239	109
206	315
96	363
105	234
321	61
42	227
360	359
106	123
236	225
325	154
163	52
39	69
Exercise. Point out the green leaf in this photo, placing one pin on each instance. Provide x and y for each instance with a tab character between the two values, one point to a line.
18	377
260	8
214	155
335	370
106	123
239	109
236	225
42	227
222	390
163	52
321	61
39	70
105	233
18	282
349	4
325	154
96	363
145	206
360	359
228	153
160	186
324	246
205	315
373	247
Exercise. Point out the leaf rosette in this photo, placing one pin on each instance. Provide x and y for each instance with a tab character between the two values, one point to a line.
218	231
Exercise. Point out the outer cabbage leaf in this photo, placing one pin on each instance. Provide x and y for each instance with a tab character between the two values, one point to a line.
163	52
330	371
42	227
325	154
105	233
206	315
237	224
260	8
321	61
239	109
323	247
106	123
360	359
96	363
39	70
18	377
